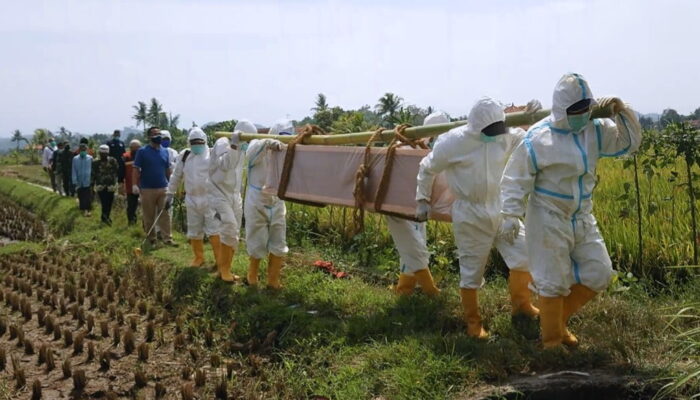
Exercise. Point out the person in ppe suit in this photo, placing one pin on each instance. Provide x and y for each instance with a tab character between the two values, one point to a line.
193	167
225	173
410	241
265	214
473	158
553	171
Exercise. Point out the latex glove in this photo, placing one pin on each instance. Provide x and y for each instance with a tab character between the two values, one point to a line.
135	189
422	210
616	102
533	106
510	227
169	201
276	145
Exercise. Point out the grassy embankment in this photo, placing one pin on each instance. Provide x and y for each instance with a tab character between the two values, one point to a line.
350	339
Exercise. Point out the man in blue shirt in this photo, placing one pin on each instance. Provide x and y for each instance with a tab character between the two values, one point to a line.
150	180
82	178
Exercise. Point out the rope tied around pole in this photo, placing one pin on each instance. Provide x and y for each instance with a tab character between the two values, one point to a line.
399	140
308	130
358	192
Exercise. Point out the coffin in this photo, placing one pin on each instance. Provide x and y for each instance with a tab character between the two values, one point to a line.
326	175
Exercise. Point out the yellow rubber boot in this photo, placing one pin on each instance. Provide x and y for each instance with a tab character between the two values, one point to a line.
274	270
215	241
253	271
198	251
579	296
518	282
224	264
425	280
406	284
551	325
472	319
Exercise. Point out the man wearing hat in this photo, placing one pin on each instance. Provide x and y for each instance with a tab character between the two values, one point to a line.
116	151
105	175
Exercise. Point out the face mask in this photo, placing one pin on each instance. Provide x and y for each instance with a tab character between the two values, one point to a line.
488	139
53	144
244	146
165	143
578	122
198	148
103	157
156	139
83	153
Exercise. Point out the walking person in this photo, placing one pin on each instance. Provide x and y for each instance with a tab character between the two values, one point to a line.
66	164
116	151
265	214
46	164
105	174
549	180
151	172
56	167
82	179
473	157
131	187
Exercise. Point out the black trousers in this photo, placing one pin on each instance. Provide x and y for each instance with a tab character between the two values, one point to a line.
68	188
132	203
106	199
85	198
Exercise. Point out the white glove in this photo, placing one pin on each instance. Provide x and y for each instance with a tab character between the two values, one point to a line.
135	189
422	210
275	145
169	200
533	106
510	227
616	102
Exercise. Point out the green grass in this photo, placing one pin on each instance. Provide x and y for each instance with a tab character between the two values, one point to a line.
352	338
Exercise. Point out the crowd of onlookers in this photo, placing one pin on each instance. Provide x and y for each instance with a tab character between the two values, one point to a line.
79	173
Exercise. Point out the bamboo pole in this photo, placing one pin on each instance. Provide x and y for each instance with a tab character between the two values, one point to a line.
417	132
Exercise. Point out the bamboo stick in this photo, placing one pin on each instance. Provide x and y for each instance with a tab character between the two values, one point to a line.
417	132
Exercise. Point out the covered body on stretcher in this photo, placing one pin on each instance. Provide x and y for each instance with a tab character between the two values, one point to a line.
326	175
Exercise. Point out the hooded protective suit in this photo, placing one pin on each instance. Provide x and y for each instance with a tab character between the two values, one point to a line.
473	169
225	172
554	170
194	169
410	239
473	165
265	214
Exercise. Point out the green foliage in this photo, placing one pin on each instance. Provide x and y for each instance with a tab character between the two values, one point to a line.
351	121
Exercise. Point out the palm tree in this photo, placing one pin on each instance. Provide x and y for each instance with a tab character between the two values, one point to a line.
41	136
141	114
402	116
321	103
18	137
154	111
388	104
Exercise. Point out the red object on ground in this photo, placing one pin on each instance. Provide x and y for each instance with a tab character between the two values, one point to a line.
327	267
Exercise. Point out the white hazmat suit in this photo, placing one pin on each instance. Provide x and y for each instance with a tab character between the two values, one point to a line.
193	169
473	164
411	242
225	176
265	214
554	171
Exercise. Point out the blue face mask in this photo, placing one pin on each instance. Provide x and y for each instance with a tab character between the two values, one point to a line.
83	154
488	139
579	121
244	146
198	148
165	143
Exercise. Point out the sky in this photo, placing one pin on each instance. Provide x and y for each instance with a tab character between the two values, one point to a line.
84	64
